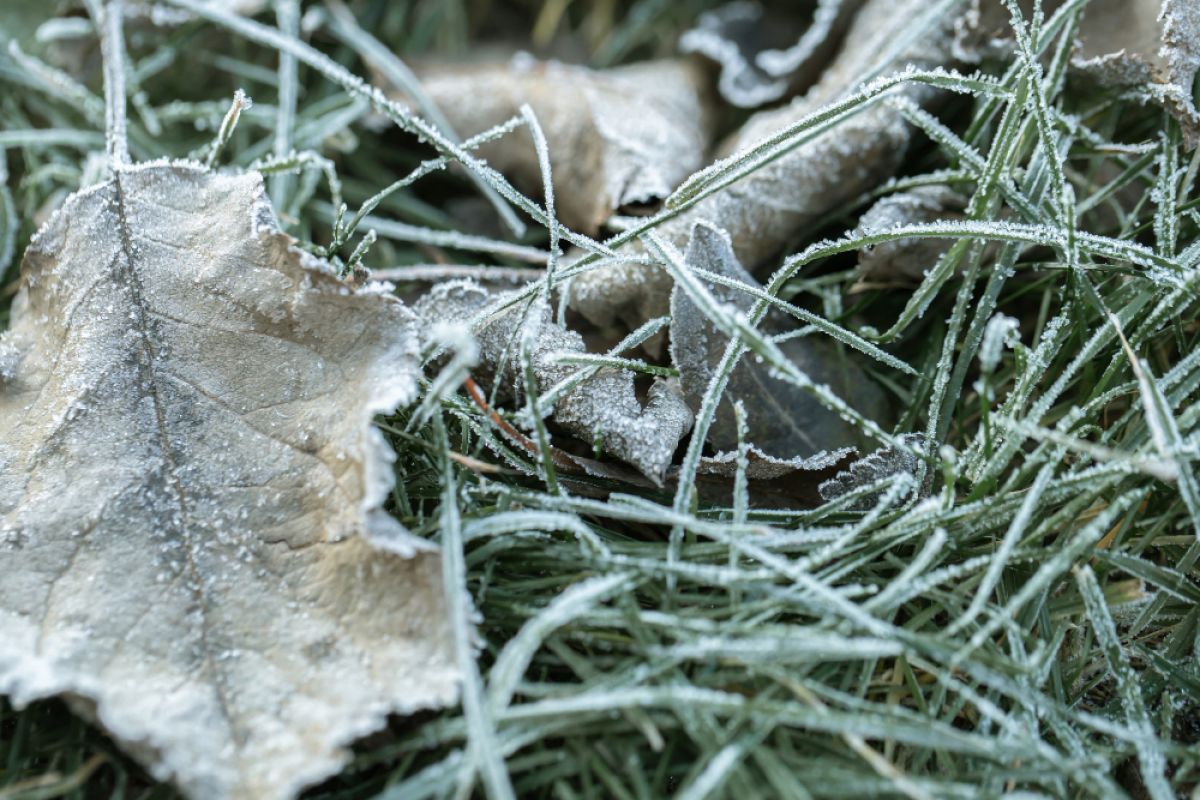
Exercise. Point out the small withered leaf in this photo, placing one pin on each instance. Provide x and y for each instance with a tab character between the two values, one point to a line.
765	210
603	408
738	36
782	420
192	544
619	137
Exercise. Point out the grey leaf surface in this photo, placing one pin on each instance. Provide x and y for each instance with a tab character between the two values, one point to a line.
603	407
618	137
906	259
753	73
765	210
782	420
192	546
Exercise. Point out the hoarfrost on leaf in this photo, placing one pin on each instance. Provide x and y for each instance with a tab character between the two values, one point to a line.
884	462
602	407
1151	46
753	73
906	260
762	466
192	545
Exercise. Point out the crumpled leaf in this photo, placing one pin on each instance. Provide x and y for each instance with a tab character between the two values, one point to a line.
906	259
192	546
782	420
882	463
768	208
603	408
617	138
1152	45
753	73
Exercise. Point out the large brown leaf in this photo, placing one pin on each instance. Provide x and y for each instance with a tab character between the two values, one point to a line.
192	549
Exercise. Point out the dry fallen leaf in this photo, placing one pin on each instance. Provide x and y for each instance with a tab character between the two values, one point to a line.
602	408
192	546
618	138
1148	48
782	420
766	209
753	73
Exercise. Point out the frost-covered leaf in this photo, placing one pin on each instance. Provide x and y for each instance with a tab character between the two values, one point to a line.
768	208
906	259
192	546
1149	45
782	420
618	138
603	408
882	463
739	37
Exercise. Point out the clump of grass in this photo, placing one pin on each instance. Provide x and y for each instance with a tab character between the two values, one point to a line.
1030	626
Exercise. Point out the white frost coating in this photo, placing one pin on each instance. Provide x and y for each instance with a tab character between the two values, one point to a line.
882	463
762	466
10	357
1001	331
189	482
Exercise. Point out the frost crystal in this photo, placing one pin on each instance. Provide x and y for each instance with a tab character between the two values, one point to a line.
1001	331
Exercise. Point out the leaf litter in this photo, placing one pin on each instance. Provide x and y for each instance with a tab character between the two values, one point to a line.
766	209
600	406
783	420
753	73
753	578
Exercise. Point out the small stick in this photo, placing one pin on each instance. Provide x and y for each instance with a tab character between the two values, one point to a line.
560	458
